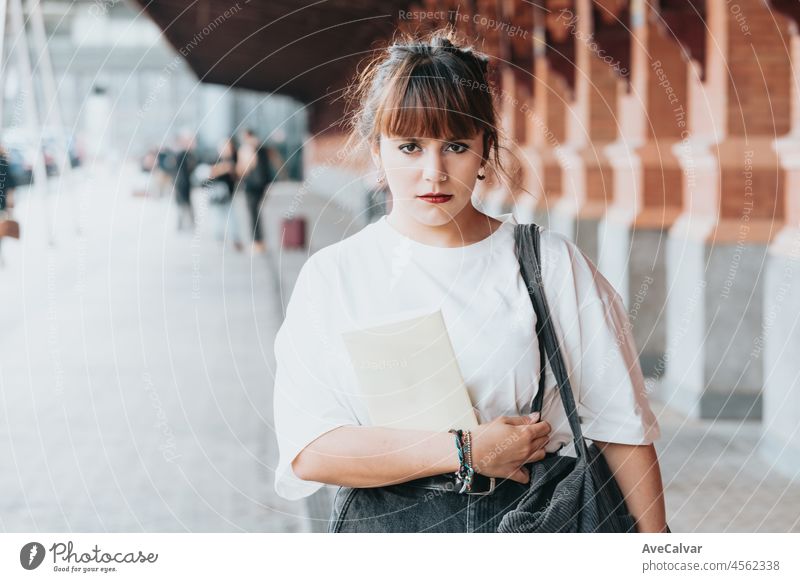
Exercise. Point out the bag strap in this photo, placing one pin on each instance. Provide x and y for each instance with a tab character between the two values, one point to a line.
527	240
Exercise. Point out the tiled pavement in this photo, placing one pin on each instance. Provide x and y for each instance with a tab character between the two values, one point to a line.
716	481
135	382
135	374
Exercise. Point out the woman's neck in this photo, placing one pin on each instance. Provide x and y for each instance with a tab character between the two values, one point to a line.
468	227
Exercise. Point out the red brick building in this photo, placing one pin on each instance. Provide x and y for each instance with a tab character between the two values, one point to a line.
662	136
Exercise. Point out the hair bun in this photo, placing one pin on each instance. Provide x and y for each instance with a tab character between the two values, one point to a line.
442	41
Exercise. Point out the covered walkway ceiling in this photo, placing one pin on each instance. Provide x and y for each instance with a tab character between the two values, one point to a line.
301	48
309	49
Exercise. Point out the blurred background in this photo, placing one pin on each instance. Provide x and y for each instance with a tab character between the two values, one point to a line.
166	168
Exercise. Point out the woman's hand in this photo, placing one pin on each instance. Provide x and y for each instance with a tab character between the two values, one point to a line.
500	448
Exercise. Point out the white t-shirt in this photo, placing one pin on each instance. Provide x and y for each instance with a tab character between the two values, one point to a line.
379	272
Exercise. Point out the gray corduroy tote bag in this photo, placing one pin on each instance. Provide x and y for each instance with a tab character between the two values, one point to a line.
567	494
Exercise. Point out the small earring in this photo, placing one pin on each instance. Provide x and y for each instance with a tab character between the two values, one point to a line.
482	176
381	178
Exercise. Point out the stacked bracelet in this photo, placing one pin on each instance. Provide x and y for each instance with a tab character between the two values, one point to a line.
468	448
458	434
464	448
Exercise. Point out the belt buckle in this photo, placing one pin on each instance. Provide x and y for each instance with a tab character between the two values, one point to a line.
489	492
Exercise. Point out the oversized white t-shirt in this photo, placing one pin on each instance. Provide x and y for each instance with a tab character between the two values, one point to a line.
378	272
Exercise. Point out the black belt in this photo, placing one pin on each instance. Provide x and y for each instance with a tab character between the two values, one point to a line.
481	484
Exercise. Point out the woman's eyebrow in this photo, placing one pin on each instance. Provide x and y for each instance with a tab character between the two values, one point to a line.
445	140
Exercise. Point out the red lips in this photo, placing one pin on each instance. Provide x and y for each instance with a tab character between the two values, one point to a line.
435	197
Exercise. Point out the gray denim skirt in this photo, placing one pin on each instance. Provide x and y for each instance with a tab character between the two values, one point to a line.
431	504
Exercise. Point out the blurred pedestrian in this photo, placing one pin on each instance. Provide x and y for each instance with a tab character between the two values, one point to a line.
186	163
7	186
166	166
220	186
255	172
278	153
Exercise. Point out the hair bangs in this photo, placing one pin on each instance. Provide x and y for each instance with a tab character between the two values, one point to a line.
427	101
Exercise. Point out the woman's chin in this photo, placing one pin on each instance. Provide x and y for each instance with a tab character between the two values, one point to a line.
433	219
431	214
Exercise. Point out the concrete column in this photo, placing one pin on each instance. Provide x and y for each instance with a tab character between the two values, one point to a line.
343	175
780	336
3	12
33	117
718	246
553	74
217	107
591	125
517	20
647	181
515	102
493	195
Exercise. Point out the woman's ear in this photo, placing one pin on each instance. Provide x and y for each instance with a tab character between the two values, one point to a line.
375	152
487	147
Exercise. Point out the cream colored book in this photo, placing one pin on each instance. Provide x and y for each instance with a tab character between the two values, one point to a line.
408	375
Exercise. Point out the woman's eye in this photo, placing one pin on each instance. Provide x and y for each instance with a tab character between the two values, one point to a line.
460	148
408	145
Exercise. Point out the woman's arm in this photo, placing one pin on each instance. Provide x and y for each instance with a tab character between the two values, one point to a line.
635	467
361	456
365	456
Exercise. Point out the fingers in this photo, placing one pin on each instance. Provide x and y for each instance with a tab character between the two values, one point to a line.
540	443
538	429
521	420
538	454
521	475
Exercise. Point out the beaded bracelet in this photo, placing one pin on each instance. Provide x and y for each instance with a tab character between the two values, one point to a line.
468	456
468	449
464	447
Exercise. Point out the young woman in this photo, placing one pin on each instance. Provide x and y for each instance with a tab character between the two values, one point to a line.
431	125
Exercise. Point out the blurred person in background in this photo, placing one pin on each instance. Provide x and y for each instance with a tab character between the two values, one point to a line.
148	161
185	165
7	186
164	170
145	183
278	154
255	172
220	186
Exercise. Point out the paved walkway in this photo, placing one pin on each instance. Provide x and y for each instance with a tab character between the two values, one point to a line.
136	374
716	481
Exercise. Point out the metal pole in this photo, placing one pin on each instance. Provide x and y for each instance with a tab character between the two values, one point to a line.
52	114
40	184
2	77
45	67
3	10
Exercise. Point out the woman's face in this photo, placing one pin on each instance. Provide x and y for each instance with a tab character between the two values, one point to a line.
415	167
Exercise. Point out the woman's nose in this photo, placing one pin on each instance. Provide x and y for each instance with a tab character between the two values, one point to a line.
433	170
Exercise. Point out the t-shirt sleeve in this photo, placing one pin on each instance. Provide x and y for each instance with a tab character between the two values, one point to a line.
306	401
598	348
